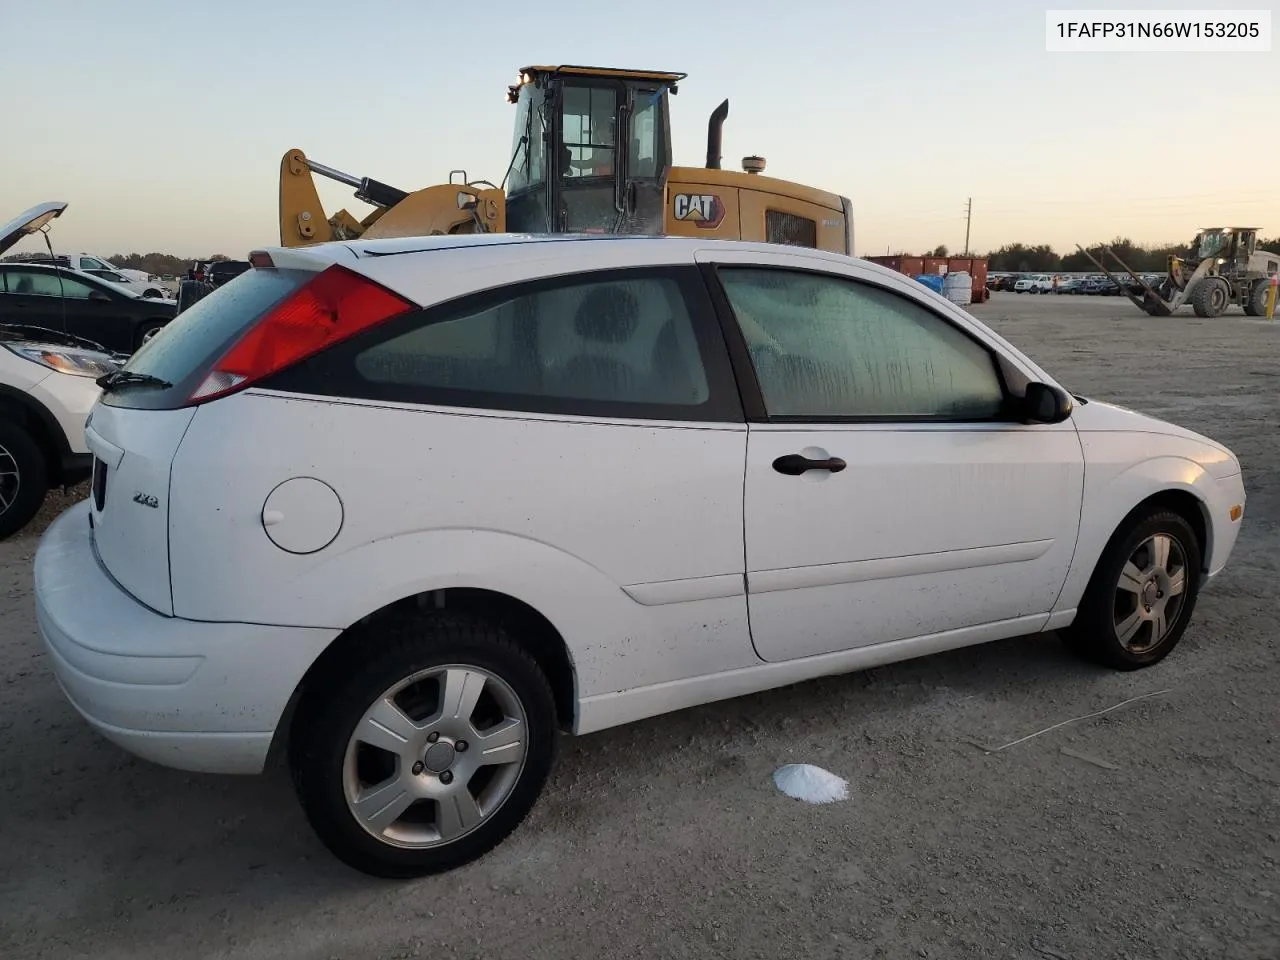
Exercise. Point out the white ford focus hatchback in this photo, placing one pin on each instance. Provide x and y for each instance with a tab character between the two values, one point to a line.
410	509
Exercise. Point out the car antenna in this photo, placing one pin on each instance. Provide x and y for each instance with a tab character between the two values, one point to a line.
62	293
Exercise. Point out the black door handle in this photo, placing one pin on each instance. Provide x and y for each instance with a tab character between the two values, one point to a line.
793	464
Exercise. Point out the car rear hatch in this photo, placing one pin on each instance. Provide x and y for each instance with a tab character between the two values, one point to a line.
243	331
129	513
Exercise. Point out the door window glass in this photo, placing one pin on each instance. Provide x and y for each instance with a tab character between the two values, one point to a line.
828	347
41	283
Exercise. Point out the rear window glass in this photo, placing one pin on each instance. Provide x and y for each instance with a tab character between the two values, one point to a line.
186	349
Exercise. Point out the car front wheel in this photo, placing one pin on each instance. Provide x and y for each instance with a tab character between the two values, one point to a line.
429	750
23	478
1142	593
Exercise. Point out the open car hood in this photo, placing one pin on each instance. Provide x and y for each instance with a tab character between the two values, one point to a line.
29	222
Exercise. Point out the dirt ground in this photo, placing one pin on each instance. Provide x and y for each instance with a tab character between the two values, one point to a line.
1152	831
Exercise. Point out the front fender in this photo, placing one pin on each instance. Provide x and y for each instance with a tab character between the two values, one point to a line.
1114	485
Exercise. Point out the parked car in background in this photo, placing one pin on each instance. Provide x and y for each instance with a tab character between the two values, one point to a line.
203	277
1070	285
47	387
79	304
410	508
1035	283
138	281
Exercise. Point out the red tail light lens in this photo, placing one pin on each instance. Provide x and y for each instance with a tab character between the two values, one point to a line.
333	306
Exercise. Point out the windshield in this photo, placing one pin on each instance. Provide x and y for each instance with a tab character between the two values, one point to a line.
528	166
1212	243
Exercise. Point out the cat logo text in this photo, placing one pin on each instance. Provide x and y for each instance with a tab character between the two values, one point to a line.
704	209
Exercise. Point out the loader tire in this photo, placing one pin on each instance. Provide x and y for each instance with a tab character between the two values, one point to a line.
1256	305
1211	297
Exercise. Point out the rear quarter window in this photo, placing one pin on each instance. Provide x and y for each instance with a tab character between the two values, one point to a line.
637	343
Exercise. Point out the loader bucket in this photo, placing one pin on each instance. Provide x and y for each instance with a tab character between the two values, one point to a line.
1150	301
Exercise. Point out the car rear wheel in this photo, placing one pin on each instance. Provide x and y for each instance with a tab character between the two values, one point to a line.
23	478
1141	596
427	751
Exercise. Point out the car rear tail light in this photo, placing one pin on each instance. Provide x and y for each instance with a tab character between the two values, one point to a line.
333	306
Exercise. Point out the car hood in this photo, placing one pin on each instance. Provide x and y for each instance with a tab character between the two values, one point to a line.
29	221
1095	416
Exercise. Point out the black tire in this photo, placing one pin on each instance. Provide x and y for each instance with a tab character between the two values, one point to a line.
1256	305
399	647
1093	634
1211	297
21	496
146	331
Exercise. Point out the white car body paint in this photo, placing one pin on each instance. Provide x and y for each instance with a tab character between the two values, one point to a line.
675	565
67	398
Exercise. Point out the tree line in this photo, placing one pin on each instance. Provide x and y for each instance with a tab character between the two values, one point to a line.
161	264
156	264
1042	258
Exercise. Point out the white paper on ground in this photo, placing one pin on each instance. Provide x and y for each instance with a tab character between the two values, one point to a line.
810	784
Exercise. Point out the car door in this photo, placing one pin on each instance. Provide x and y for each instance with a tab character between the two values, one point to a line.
27	298
946	513
70	303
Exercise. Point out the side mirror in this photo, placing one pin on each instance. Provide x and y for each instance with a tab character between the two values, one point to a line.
99	296
1045	404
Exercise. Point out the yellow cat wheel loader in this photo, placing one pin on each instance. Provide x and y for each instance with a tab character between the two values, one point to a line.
591	153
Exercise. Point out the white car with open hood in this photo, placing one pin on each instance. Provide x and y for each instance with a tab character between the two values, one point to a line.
47	387
408	509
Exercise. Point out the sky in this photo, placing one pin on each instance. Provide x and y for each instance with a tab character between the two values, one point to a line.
163	125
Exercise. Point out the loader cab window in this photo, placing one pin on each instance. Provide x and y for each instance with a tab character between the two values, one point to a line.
1212	244
645	158
589	130
528	142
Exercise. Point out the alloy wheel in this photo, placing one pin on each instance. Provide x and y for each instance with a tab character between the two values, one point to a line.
435	756
1150	593
10	479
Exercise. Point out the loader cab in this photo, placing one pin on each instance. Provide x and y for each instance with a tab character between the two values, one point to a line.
1232	245
590	150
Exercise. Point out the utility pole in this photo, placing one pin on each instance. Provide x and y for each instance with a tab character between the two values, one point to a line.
968	216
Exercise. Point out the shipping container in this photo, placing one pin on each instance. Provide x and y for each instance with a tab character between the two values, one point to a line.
976	267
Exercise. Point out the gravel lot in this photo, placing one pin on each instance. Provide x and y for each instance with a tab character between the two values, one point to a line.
1150	832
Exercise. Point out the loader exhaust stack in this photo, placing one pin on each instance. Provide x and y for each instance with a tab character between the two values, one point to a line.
715	128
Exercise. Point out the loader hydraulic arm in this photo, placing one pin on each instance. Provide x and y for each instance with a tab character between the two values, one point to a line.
443	208
368	190
302	217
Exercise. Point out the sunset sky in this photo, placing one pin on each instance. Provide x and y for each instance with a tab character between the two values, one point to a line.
163	124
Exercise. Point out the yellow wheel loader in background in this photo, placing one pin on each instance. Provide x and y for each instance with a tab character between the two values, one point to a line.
591	154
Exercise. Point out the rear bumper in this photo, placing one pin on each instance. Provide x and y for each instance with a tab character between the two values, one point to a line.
196	696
